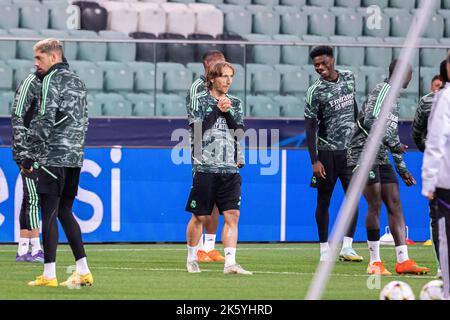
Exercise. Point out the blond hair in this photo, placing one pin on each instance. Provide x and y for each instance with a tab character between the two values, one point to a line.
49	45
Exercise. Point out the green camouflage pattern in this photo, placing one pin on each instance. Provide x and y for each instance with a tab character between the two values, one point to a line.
59	129
219	148
419	126
366	118
333	105
24	109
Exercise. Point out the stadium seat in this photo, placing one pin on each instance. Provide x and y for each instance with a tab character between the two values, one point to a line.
7	48
381	3
10	17
435	27
407	108
286	9
378	57
115	105
349	25
294	23
70	47
121	18
143	104
86	4
178	52
402	4
261	106
21	69
176	77
152	20
266	82
145	77
297	3
121	52
196	68
117	76
89	51
348	56
290	106
238	2
201	49
430	57
180	19
94	19
309	10
209	19
348	3
238	21
426	75
266	23
268	3
316	40
375	26
396	51
292	54
59	18
266	54
6	76
321	3
238	85
235	53
294	80
215	2
24	48
337	11
34	17
400	24
6	102
95	108
90	73
374	75
146	51
322	24
170	105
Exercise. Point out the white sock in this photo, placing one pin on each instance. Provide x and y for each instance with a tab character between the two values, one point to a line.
82	266
35	245
324	246
50	270
402	253
192	254
22	249
200	243
347	243
210	242
230	256
374	249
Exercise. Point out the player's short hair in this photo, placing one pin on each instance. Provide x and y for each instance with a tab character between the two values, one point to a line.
216	71
211	55
394	64
49	45
443	72
436	77
320	51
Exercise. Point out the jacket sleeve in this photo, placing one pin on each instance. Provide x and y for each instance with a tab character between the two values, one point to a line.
311	124
418	127
42	124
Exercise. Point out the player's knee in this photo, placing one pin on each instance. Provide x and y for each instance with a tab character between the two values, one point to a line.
231	216
374	205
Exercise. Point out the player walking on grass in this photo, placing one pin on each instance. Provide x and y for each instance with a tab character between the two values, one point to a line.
216	120
382	185
56	152
206	251
330	107
419	131
25	107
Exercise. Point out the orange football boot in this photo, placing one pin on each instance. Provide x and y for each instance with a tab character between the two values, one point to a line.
410	266
378	268
216	256
202	256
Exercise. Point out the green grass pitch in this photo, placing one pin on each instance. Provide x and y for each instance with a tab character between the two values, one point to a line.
154	271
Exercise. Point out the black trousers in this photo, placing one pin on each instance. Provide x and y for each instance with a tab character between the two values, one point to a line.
442	213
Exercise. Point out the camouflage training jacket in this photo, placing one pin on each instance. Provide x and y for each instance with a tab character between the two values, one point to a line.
59	128
366	118
26	101
419	126
219	153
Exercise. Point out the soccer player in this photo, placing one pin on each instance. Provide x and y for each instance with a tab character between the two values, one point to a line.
330	107
419	131
216	119
56	152
206	251
24	109
382	185
436	175
436	83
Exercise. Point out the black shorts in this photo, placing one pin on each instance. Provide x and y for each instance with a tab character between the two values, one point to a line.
58	181
335	164
383	173
208	189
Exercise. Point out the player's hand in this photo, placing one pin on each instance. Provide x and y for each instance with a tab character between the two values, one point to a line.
408	179
430	195
403	148
27	165
319	170
224	104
